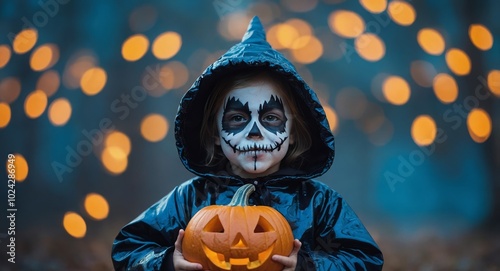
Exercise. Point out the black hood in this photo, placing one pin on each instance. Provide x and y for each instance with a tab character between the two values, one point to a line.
252	52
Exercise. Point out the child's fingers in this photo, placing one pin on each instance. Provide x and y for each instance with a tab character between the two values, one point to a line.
185	265
179	262
291	261
296	247
178	242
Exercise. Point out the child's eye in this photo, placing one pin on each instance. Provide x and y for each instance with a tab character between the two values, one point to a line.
234	121
272	120
237	118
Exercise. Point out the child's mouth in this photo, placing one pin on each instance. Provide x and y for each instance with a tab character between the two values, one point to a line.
256	147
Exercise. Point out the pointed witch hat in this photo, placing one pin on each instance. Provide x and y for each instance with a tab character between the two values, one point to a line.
253	52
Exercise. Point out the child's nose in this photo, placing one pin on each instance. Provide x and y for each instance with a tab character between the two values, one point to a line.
255	131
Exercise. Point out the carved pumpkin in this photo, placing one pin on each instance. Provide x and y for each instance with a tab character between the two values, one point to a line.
237	236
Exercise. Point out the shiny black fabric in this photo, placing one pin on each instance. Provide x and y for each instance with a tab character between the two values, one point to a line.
332	236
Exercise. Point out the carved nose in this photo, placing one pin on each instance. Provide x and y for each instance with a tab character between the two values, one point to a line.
255	131
239	242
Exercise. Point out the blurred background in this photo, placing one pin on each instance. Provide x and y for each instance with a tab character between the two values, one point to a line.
89	91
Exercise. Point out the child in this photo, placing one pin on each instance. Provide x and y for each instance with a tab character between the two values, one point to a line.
250	118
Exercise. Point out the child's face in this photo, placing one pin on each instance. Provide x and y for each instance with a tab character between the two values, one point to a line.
254	129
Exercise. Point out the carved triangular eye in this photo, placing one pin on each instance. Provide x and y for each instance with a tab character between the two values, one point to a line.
214	225
263	225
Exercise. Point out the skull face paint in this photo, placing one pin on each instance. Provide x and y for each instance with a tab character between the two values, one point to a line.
254	128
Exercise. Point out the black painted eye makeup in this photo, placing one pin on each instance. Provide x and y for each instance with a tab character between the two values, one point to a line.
236	116
272	115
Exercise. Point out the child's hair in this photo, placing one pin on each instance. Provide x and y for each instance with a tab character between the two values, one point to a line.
214	155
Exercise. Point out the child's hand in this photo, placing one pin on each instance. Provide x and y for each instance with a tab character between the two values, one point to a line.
289	262
180	264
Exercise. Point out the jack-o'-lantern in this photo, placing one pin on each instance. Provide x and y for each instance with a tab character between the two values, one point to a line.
237	236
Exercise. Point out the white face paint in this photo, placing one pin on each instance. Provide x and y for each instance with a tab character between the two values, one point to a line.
254	129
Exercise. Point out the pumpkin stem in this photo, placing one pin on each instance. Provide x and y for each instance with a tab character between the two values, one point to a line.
241	196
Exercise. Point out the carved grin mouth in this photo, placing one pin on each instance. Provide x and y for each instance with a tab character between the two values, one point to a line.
226	263
256	147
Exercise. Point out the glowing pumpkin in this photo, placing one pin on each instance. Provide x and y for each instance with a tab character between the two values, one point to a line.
237	236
